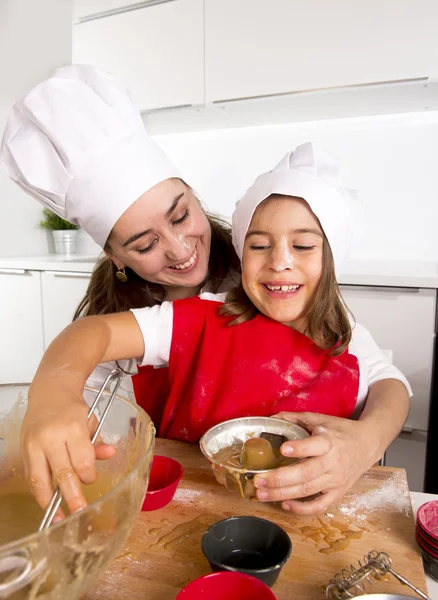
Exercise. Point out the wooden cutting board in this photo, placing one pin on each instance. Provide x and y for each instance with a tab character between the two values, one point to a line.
163	552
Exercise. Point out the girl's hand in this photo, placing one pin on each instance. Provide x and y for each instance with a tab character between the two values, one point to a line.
337	453
56	434
56	447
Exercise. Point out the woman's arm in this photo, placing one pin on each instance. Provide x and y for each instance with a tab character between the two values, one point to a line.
341	450
374	365
337	453
385	413
55	436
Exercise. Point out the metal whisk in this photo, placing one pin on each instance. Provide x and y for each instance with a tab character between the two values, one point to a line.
20	568
56	500
350	582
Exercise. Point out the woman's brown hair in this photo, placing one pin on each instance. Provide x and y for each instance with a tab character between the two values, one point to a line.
106	294
329	326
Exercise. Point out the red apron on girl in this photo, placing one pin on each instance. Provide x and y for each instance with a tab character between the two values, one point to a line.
152	389
257	368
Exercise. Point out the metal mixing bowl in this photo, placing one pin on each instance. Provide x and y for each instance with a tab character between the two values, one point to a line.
239	430
64	560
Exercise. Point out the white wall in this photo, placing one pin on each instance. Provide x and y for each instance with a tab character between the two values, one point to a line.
35	38
392	162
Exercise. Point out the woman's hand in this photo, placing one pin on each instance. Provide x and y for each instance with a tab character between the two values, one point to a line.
337	453
56	447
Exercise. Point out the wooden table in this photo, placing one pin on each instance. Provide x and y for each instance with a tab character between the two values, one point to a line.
163	552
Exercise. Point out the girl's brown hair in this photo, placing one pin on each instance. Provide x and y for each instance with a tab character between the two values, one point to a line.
106	294
329	326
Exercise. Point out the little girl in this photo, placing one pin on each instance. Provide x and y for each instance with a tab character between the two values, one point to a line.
281	341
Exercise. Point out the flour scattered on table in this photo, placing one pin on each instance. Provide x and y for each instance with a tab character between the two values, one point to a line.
187	495
390	496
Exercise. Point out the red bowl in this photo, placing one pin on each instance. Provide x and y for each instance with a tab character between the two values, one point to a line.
425	546
226	584
165	475
427	518
427	539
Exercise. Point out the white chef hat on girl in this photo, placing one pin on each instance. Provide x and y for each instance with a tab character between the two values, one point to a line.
313	174
78	145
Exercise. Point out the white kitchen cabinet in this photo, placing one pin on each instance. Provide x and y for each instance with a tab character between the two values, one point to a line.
157	51
61	293
34	307
21	330
265	47
402	320
91	9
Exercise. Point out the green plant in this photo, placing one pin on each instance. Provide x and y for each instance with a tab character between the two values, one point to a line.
55	223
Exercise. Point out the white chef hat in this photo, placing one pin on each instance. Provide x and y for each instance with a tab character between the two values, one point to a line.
313	174
78	145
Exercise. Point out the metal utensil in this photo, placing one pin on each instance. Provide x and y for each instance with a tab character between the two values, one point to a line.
117	375
351	581
20	567
237	431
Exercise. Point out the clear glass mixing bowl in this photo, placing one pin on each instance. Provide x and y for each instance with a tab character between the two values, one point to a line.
64	560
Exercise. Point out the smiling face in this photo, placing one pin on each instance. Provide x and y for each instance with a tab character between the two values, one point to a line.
282	260
165	238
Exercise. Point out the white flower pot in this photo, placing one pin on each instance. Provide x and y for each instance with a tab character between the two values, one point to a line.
64	241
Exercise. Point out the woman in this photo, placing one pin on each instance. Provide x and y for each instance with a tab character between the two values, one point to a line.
196	254
119	186
77	144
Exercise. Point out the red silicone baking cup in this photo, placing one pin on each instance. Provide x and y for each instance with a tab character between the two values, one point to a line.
427	518
425	547
430	541
165	476
226	584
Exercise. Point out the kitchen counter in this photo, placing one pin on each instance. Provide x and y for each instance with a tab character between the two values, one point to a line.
82	263
410	274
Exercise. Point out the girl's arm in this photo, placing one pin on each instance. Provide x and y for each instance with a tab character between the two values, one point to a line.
55	437
101	372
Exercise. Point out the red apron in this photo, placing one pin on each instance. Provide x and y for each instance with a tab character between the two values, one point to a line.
219	372
152	389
